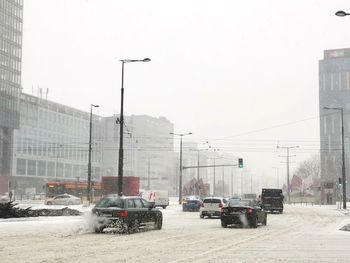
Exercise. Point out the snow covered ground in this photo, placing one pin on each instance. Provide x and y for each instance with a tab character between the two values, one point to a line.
301	234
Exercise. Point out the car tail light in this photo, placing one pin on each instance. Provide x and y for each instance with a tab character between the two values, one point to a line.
124	213
250	211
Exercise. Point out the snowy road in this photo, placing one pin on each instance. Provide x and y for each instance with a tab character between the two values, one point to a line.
301	234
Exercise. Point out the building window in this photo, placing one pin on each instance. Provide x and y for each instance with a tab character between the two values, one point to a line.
21	167
31	167
41	168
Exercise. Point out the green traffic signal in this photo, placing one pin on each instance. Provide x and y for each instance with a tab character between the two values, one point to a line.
240	162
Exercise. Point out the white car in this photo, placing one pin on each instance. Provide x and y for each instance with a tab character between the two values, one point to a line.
64	199
211	206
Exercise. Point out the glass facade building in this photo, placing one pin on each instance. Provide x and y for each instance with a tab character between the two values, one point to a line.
11	21
52	144
334	92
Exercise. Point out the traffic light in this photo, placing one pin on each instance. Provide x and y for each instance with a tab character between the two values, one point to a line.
240	162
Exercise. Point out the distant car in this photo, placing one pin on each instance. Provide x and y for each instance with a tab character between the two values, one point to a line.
191	203
242	212
64	199
4	198
211	206
125	214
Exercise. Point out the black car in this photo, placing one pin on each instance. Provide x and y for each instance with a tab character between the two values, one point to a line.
242	212
191	203
125	214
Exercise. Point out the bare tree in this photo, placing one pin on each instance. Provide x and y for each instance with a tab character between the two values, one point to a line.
310	167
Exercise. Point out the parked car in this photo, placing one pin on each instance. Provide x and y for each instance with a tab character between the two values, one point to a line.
191	203
125	214
211	206
242	212
64	199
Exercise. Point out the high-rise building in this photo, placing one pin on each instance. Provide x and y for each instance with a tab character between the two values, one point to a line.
334	92
11	21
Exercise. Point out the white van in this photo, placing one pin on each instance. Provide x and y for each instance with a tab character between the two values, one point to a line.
159	197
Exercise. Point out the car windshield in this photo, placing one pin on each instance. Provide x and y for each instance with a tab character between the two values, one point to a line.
214	200
110	202
237	202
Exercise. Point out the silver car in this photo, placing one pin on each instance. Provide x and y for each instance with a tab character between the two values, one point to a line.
64	199
211	206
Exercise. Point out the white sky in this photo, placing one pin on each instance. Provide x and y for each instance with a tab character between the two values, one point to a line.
219	69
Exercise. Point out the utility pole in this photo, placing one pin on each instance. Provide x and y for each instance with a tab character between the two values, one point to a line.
341	109
288	156
223	181
90	150
180	177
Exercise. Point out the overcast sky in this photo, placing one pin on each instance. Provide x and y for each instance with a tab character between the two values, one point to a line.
242	75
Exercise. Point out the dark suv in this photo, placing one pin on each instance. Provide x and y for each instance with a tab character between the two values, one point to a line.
125	214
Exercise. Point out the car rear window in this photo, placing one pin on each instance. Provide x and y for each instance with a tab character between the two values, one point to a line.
216	201
110	202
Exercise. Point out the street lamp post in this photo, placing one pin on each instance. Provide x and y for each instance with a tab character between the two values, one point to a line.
121	124
181	168
341	109
90	149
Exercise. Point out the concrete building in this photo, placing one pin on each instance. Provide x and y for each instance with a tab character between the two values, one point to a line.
334	92
52	144
11	21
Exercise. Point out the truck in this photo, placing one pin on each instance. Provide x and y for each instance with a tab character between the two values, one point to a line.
272	200
159	197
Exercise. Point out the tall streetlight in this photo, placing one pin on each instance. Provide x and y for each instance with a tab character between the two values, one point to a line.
341	109
180	177
121	124
90	148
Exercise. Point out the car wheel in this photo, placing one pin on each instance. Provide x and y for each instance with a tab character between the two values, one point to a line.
134	226
201	215
49	203
164	206
98	229
223	224
255	223
158	223
281	211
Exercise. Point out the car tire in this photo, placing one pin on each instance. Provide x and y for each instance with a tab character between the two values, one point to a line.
158	223
49	203
223	224
201	215
164	206
281	211
254	223
98	229
134	226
